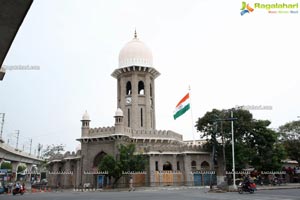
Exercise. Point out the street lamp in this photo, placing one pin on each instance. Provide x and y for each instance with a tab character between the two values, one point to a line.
232	140
231	119
233	161
2	124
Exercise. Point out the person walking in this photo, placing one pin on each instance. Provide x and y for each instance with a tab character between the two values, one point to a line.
131	188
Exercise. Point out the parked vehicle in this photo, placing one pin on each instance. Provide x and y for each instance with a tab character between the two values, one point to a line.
3	189
277	181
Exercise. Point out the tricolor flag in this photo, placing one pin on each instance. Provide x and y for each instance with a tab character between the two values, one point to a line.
182	106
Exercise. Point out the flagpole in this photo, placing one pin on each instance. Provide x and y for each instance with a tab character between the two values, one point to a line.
194	142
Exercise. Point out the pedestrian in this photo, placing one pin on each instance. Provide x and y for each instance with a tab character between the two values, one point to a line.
57	186
131	188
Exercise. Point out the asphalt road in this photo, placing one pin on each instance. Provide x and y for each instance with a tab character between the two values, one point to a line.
179	194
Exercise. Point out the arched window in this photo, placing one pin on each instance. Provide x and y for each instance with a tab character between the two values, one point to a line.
128	88
204	165
141	117
128	117
193	165
141	88
167	166
156	165
98	158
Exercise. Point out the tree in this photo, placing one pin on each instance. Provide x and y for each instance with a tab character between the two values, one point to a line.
128	161
6	165
52	150
255	143
290	130
21	168
290	133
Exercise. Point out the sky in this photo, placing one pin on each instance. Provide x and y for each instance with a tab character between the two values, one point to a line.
228	60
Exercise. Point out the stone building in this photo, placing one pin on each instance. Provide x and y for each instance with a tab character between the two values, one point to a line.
171	160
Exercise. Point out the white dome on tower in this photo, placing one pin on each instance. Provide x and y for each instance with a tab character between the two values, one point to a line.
85	116
135	53
119	113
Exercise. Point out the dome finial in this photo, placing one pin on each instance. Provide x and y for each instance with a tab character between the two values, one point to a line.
135	35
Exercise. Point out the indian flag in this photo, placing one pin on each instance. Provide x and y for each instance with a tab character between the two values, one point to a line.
182	106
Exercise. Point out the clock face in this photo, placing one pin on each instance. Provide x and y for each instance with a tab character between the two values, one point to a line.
128	100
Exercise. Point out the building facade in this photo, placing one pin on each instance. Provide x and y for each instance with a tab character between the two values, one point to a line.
170	159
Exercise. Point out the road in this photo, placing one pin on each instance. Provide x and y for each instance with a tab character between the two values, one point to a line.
179	194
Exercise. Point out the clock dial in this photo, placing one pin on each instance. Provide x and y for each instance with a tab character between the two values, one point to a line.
128	100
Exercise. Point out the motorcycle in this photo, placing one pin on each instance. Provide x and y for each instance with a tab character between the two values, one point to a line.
243	187
276	181
18	191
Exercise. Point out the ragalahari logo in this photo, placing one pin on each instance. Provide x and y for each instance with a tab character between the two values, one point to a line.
246	8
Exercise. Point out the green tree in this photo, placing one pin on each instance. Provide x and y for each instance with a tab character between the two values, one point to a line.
255	143
127	161
21	168
290	133
290	130
6	165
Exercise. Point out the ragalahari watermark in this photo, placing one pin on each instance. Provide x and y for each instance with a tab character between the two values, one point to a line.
254	107
21	67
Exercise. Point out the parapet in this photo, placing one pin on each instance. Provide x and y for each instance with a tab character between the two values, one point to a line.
159	134
102	131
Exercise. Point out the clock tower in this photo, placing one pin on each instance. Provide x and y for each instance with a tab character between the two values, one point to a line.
136	85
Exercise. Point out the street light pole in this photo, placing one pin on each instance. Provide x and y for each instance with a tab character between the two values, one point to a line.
18	135
233	161
2	124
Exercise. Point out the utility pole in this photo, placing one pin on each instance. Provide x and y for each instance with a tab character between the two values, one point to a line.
223	149
2	124
30	146
233	161
214	156
231	119
39	149
18	134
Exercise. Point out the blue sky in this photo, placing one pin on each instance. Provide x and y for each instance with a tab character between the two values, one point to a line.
226	58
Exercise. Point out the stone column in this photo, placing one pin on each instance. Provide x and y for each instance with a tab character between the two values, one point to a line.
174	164
187	169
29	172
15	169
55	173
147	120
152	170
78	173
134	116
66	176
160	168
84	162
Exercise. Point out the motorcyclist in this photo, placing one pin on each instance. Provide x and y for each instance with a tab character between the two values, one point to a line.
247	182
18	186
